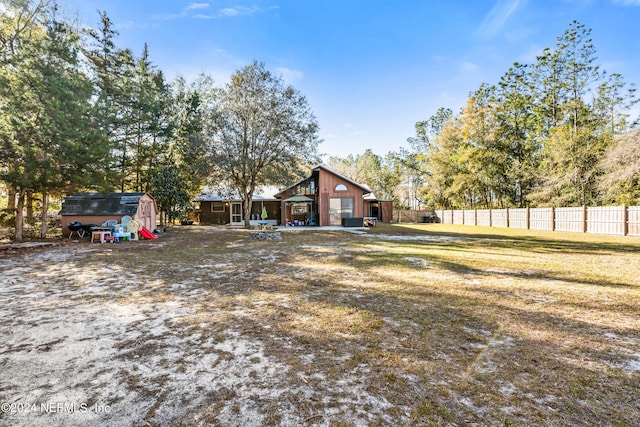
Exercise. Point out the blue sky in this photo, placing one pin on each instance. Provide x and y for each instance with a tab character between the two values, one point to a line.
370	69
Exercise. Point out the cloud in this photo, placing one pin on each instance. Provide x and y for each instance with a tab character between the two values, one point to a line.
199	11
498	17
230	12
469	67
194	6
290	76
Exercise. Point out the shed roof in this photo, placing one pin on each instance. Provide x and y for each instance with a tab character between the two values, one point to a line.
101	204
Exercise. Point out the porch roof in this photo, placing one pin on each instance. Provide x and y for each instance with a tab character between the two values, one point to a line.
298	198
228	195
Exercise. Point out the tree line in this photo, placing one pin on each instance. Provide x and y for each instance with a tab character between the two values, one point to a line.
80	113
553	133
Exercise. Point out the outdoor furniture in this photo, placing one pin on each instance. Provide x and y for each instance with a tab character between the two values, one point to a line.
264	225
110	223
80	229
125	235
125	220
353	222
370	221
101	233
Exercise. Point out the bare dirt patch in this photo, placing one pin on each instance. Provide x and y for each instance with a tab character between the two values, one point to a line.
206	326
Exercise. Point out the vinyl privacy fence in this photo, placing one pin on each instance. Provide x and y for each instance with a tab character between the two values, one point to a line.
613	220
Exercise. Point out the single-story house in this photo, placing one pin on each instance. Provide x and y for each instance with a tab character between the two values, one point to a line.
324	198
218	206
97	208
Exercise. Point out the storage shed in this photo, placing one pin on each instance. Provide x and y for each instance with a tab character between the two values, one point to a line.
97	208
382	210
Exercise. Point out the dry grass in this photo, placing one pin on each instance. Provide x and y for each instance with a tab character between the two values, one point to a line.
402	325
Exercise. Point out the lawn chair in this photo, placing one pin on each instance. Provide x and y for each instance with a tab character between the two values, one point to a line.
125	220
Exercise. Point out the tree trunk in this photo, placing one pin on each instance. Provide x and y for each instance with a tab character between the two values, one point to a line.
246	211
29	203
19	216
11	199
45	208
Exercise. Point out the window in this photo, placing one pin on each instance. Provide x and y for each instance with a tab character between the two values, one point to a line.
300	209
340	208
217	207
341	187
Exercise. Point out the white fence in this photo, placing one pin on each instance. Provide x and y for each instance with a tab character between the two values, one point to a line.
613	220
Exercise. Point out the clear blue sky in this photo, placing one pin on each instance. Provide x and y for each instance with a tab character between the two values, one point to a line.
370	68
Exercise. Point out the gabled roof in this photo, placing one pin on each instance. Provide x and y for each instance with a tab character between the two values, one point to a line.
101	204
364	187
317	168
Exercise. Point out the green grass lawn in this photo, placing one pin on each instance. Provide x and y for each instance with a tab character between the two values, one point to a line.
541	327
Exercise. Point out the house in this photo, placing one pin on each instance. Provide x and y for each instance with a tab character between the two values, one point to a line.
97	208
324	198
218	206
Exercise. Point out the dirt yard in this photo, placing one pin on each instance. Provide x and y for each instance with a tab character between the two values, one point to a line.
396	326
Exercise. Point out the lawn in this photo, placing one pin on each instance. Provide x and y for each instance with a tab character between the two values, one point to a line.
424	324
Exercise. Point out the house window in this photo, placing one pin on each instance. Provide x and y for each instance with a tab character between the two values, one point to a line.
301	209
341	187
217	207
340	207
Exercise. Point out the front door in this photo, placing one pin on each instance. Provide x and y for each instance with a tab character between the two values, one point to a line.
236	213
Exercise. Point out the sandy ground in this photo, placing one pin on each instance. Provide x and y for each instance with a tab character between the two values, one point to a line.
90	340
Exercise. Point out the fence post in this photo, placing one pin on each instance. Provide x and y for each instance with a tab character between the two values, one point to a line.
584	218
490	217
528	219
507	217
553	218
625	220
475	216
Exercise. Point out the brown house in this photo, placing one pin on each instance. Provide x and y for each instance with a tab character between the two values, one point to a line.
97	208
324	198
224	207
